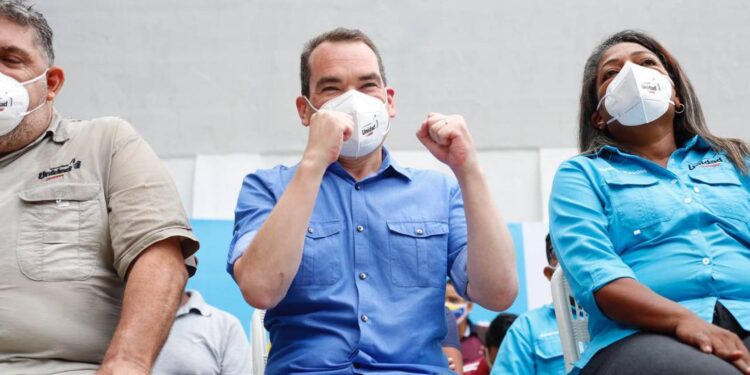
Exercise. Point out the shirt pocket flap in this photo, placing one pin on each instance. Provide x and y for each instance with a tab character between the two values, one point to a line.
548	346
418	228
322	229
67	191
714	177
623	179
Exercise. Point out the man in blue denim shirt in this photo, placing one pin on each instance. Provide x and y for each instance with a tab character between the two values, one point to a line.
349	253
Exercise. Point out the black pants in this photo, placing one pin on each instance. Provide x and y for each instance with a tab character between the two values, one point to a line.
652	353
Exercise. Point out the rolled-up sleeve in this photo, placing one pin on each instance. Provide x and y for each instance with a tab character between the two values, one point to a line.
143	203
457	242
254	205
579	228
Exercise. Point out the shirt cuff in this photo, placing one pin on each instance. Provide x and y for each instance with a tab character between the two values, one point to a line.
240	247
458	275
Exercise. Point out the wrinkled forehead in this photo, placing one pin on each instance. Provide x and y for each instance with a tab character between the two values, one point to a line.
16	37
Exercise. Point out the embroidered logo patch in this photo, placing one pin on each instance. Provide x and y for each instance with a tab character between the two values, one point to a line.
59	171
707	163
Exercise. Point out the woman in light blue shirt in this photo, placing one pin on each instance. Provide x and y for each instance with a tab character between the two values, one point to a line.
650	222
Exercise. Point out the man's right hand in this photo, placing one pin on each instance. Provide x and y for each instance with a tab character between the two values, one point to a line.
712	339
328	131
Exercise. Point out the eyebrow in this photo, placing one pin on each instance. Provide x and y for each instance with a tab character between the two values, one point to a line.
326	80
369	77
641	52
15	49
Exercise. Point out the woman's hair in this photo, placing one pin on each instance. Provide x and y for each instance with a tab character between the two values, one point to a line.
686	124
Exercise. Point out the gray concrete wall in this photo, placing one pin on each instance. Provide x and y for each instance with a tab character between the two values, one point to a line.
198	76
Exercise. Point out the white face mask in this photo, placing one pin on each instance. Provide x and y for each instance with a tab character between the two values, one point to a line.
14	102
637	95
371	121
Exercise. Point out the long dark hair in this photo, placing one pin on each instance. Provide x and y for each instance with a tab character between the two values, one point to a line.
686	125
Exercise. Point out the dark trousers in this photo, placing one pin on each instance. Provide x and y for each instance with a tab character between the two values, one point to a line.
651	353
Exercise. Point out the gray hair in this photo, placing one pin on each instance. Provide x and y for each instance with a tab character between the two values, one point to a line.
21	13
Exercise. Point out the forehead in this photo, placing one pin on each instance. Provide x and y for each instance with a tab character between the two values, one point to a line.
342	58
15	35
621	51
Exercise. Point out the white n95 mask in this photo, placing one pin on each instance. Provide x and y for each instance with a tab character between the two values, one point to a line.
14	102
637	95
371	121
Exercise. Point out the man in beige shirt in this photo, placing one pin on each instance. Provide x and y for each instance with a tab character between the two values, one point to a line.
92	233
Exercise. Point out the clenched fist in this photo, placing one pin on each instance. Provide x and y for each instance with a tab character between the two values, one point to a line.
448	139
328	132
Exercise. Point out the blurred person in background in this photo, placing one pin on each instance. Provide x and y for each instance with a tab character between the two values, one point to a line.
471	335
204	340
493	338
532	344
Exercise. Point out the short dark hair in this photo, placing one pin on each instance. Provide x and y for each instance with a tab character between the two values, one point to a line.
550	249
340	34
497	330
23	14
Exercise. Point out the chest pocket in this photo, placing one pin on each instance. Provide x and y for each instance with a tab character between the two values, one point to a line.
321	257
60	231
721	192
638	200
418	252
549	355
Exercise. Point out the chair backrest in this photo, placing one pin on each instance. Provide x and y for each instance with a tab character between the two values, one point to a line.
258	342
572	320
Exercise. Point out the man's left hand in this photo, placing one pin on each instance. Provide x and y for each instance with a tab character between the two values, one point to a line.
448	139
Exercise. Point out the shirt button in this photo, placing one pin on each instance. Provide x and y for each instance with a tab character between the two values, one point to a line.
357	187
362	275
310	230
420	231
674	181
364	318
695	189
688	200
706	261
360	228
694	232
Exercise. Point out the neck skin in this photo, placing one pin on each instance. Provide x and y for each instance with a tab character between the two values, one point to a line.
364	166
654	141
462	327
32	126
185	298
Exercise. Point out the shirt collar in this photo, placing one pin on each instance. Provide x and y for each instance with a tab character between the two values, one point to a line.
194	304
388	164
695	141
58	128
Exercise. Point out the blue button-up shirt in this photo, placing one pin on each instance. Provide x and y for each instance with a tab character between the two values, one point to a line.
368	295
681	231
531	346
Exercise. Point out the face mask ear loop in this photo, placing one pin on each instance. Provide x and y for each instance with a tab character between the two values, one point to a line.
310	104
44	73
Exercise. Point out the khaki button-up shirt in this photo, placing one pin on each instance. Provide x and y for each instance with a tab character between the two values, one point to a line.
77	206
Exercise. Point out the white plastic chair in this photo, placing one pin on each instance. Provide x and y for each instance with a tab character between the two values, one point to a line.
258	343
572	320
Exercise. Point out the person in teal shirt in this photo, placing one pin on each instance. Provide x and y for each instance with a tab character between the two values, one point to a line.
532	344
650	221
